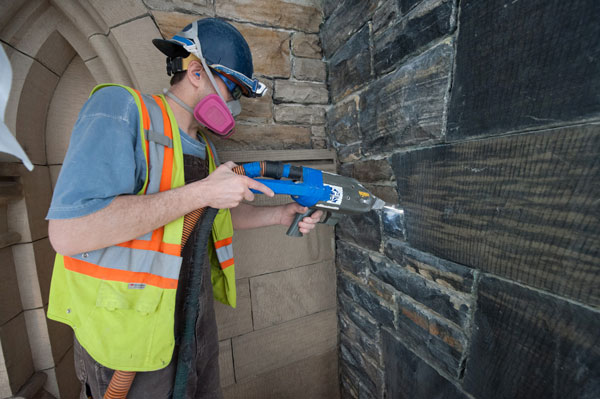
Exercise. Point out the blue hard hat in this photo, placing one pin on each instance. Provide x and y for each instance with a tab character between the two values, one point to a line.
222	46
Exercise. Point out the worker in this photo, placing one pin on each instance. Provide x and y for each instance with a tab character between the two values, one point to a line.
123	217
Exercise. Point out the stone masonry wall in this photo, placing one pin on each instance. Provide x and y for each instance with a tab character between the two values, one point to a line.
480	119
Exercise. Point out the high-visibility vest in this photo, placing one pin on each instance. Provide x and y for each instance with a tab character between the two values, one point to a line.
120	300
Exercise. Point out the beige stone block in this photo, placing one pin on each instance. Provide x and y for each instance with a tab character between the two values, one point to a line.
61	338
76	37
300	92
51	384
55	53
39	341
32	112
319	143
266	137
13	14
169	23
145	62
38	194
275	347
31	26
5	390
306	45
269	249
113	59
17	355
68	384
98	70
10	300
18	220
115	12
54	172
226	363
304	16
233	322
72	91
317	131
44	262
259	109
27	276
82	16
194	7
301	114
315	377
291	294
270	50
309	69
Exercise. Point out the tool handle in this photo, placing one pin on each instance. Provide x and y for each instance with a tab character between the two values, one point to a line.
294	231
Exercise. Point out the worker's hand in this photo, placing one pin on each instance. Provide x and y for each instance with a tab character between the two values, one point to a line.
289	211
225	189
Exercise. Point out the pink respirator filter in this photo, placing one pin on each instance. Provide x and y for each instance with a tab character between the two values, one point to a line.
213	113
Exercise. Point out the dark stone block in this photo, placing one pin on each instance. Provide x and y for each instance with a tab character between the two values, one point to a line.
386	192
439	342
352	259
357	337
393	223
349	153
527	344
361	318
329	7
372	171
362	230
348	17
350	67
374	305
350	382
443	272
524	64
385	15
409	34
369	373
409	377
407	5
523	207
453	306
406	107
342	123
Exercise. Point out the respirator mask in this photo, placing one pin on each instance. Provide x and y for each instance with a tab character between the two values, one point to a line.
213	112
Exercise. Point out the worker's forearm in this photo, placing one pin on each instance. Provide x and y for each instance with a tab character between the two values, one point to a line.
125	218
246	216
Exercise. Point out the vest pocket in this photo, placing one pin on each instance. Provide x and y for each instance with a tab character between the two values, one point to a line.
113	295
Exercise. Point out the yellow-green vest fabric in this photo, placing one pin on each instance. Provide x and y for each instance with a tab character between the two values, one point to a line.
120	300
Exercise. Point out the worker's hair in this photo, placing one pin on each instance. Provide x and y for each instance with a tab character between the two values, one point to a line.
177	77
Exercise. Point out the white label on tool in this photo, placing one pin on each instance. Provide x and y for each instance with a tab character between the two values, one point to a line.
337	194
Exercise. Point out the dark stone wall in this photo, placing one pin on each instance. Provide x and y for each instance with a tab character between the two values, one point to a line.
481	119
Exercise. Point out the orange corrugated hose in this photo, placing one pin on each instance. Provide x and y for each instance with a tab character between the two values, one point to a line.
119	385
121	381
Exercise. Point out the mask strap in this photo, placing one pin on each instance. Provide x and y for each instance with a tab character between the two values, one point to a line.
178	101
197	51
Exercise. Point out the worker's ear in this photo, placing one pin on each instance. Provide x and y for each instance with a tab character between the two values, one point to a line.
194	73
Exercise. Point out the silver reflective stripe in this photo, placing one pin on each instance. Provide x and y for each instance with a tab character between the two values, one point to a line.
156	151
225	253
134	260
159	138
